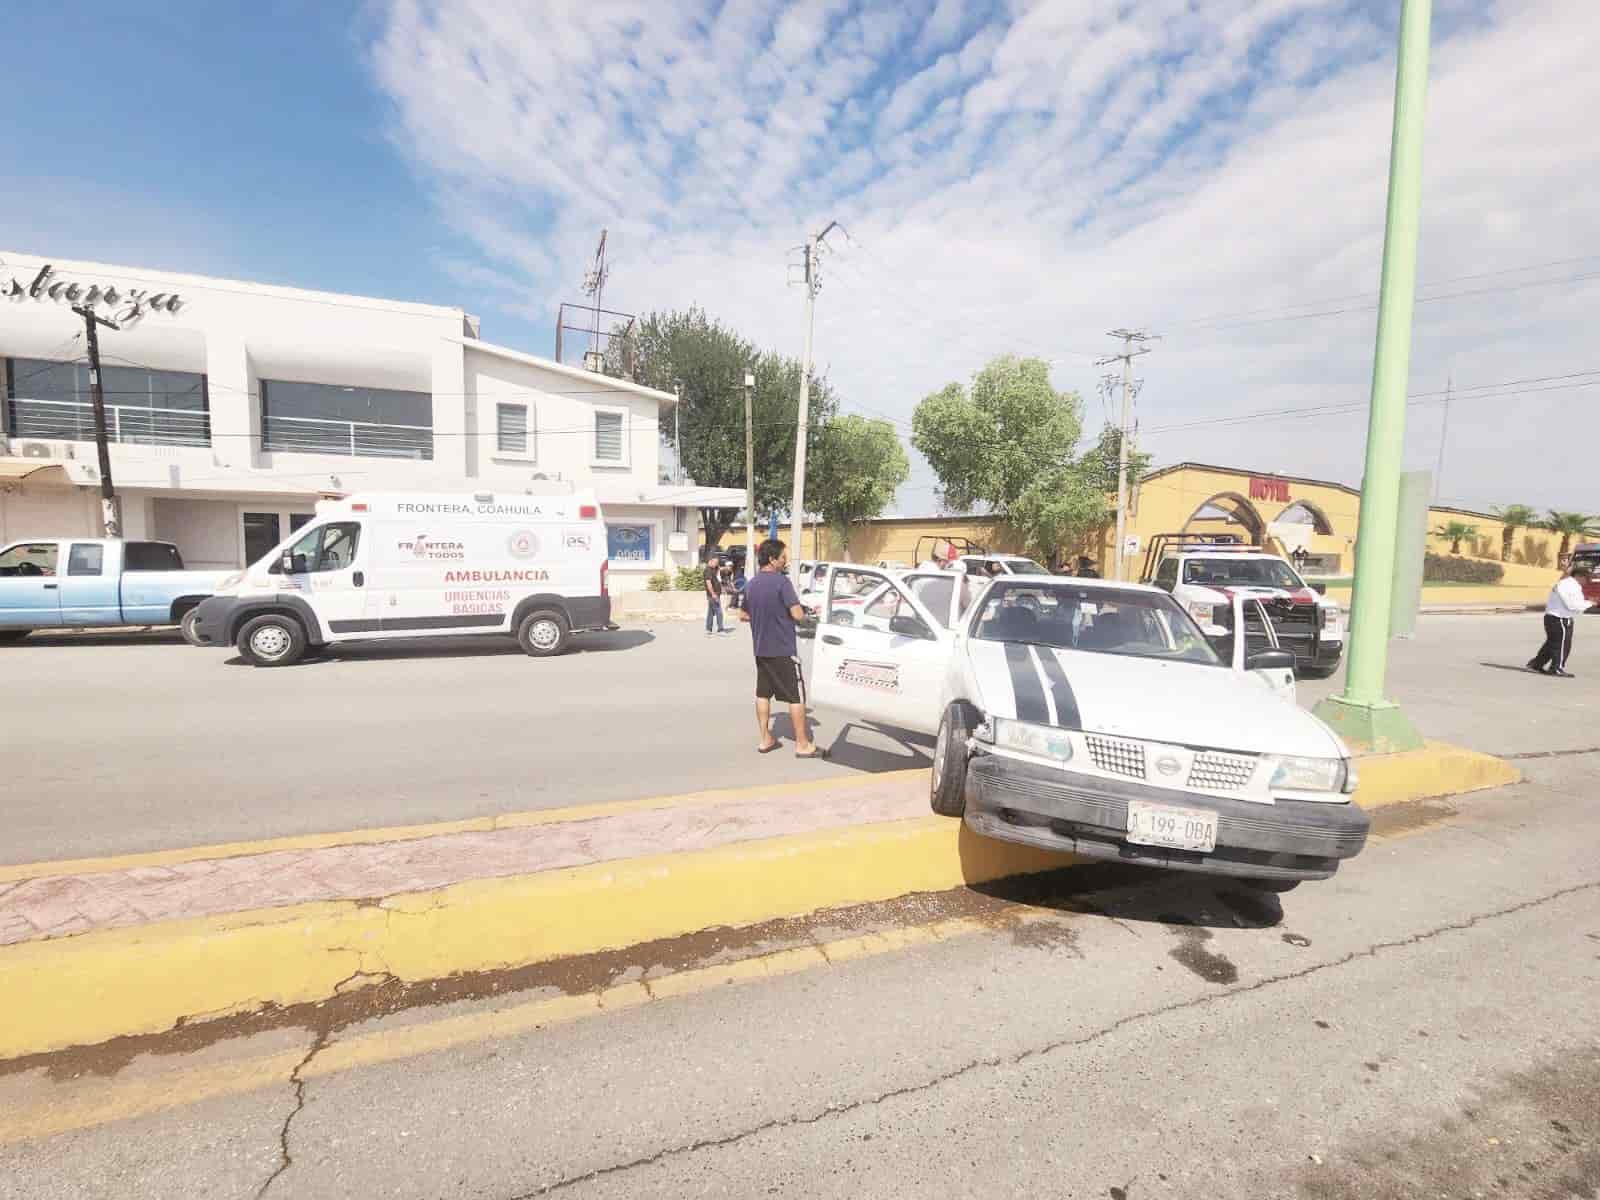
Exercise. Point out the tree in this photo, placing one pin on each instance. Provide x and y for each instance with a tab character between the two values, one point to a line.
990	445
1101	461
859	463
1009	444
1512	518
1456	532
708	360
1568	525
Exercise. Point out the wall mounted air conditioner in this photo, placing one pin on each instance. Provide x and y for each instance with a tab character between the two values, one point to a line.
44	449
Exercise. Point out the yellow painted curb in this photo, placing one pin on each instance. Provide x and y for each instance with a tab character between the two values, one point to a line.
1438	769
407	833
88	988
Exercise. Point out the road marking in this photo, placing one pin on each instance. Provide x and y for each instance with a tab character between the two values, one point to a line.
408	833
100	1101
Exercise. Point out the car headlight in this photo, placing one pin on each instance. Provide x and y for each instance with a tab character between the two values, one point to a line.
1311	774
1046	741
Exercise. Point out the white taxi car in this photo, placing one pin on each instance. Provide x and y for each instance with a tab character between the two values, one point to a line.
1094	717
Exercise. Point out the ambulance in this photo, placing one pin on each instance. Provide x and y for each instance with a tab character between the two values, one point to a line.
386	566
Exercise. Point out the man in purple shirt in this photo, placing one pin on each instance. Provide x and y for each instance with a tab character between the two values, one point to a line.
772	608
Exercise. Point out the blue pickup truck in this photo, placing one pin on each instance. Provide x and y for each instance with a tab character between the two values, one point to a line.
55	583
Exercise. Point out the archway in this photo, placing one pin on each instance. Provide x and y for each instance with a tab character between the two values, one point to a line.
1230	513
1303	512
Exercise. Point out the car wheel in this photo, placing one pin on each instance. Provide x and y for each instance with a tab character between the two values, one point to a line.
1275	885
8	636
273	640
948	782
543	634
186	626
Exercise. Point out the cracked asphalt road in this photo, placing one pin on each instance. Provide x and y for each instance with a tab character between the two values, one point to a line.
1424	1024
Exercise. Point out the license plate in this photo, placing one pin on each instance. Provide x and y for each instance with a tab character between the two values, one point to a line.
1176	828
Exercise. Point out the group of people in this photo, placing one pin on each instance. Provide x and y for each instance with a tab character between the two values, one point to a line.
722	575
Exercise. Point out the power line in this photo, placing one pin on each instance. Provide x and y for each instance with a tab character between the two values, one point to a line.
1251	312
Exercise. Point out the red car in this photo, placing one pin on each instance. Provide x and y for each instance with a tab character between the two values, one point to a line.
1590	554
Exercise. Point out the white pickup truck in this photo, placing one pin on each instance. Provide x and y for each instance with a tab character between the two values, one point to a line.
51	583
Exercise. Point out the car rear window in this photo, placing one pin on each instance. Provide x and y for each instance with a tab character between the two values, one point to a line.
151	556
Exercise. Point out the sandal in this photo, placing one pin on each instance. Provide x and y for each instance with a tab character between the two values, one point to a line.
819	752
768	749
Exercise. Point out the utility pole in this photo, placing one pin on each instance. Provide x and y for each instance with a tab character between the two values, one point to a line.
677	432
1444	436
1130	339
813	282
110	516
1361	713
749	480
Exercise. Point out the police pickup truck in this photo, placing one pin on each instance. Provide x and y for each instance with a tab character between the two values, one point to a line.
51	583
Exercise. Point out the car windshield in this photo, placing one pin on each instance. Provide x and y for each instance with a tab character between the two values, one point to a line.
1025	566
1241	571
1100	620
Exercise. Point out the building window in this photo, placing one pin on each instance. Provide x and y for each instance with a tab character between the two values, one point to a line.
143	406
511	429
324	418
610	437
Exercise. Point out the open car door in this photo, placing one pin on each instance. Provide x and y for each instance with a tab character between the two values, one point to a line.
1254	622
880	653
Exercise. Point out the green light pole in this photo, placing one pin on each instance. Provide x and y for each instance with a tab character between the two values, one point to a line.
1361	714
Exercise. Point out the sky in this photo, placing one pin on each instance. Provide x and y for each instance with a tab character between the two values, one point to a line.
1007	175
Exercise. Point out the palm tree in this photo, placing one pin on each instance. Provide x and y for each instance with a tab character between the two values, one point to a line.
1513	517
1568	524
1456	532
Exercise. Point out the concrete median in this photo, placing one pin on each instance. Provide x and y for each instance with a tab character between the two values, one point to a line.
160	941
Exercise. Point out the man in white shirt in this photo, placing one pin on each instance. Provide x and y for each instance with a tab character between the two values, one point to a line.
1566	603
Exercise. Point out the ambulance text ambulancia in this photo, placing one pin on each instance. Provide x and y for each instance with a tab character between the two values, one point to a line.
389	566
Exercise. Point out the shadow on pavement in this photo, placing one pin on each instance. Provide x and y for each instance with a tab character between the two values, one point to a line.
1179	900
142	637
914	750
485	646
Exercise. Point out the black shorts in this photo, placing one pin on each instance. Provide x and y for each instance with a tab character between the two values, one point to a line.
779	679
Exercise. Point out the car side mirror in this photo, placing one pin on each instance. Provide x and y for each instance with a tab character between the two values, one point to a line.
1270	660
1320	589
910	627
292	564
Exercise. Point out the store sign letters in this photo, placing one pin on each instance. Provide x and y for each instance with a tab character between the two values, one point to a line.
1269	489
125	304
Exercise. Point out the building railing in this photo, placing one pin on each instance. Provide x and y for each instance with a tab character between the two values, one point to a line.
359	439
73	421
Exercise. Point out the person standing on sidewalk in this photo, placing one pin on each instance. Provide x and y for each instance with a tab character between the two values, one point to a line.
713	586
1567	602
772	609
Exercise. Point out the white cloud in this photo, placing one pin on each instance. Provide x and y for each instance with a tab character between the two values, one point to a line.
1027	177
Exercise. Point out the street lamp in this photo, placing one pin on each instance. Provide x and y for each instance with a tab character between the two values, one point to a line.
749	481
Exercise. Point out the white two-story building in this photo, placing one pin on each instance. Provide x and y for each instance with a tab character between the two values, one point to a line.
233	407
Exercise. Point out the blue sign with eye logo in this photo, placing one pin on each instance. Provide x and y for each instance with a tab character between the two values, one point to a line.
630	543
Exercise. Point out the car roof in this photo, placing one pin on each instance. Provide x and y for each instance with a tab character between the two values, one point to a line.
1076	581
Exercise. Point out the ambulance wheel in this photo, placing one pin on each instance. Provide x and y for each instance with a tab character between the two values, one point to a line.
948	781
186	626
543	634
273	640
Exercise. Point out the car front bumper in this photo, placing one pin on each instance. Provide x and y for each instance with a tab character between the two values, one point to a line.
1088	815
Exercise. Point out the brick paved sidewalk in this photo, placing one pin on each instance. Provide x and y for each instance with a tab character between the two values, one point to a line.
59	905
